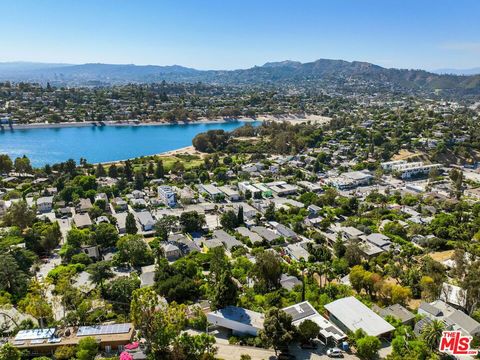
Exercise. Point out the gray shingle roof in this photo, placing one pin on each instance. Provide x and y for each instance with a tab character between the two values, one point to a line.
465	322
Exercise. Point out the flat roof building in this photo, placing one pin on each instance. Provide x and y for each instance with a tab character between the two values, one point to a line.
239	320
110	338
305	311
350	315
167	195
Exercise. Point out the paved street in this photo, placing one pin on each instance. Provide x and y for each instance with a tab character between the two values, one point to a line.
233	352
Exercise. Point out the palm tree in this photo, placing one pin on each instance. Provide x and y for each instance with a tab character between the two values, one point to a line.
432	332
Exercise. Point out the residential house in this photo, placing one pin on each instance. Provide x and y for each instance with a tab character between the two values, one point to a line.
253	237
281	188
184	243
454	295
297	251
238	320
45	204
309	186
111	339
349	314
121	221
120	205
397	311
284	231
329	333
212	192
227	240
230	193
92	251
379	240
137	194
245	187
83	205
172	252
288	282
147	277
265	233
82	220
453	318
145	220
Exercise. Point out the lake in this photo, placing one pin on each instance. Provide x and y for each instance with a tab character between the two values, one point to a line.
102	144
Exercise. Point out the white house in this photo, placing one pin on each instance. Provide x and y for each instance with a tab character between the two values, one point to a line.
329	333
167	195
349	314
45	204
230	193
239	320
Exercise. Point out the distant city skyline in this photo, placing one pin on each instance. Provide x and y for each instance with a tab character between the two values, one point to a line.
216	34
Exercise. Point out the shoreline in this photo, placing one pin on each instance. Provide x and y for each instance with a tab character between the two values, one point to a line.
280	118
186	150
118	124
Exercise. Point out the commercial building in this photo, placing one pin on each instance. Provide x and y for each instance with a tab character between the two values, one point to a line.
408	170
350	180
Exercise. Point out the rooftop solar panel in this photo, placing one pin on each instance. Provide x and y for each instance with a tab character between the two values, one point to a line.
34	334
300	311
103	329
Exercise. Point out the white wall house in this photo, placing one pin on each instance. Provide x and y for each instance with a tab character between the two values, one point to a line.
239	320
167	195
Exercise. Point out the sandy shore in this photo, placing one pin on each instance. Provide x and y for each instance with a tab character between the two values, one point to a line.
187	150
122	123
296	119
290	118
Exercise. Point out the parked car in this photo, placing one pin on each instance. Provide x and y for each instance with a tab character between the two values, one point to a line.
334	353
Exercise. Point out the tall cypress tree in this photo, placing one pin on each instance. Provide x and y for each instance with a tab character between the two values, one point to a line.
240	219
130	224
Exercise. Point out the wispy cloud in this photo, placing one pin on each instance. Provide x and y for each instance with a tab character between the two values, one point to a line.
472	47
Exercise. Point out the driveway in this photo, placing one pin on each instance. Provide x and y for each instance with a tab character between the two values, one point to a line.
54	300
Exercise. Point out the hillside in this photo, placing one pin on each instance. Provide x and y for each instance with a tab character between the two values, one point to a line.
337	75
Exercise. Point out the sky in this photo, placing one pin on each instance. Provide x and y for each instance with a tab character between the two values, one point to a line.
232	34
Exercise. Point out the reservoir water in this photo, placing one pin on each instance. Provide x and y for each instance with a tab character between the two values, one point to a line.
102	144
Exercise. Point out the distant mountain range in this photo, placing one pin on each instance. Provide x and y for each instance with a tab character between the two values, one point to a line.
473	71
332	74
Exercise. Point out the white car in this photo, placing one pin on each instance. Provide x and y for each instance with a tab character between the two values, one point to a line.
335	353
